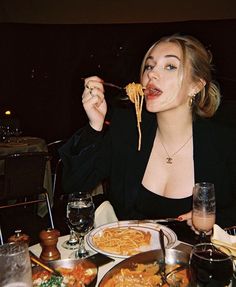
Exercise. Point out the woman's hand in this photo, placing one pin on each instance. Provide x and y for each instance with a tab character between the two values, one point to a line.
188	218
94	102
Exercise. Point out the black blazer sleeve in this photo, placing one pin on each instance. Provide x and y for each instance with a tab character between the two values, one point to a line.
215	161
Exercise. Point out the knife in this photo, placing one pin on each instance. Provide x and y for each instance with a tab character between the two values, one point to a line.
161	220
166	220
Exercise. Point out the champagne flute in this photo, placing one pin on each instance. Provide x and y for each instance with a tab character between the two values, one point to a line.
72	243
204	208
81	217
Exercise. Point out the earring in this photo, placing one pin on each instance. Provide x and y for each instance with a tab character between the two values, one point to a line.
192	101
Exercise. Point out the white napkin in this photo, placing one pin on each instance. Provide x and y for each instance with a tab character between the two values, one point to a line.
222	238
104	214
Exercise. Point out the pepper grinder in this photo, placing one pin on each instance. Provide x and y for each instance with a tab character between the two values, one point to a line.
48	241
19	236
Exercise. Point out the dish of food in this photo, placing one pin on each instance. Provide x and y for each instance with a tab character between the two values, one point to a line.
126	238
142	270
75	273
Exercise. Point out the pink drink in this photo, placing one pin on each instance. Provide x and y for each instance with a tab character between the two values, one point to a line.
202	221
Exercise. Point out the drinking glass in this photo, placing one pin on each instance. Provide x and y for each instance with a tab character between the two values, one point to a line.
15	266
81	217
204	208
210	266
72	243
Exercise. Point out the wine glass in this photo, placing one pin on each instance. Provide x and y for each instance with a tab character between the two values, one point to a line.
81	217
210	265
72	243
204	208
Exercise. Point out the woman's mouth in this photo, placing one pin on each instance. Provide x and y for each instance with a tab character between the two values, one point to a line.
152	92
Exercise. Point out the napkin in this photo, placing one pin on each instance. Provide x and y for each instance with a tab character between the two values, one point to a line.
104	214
222	238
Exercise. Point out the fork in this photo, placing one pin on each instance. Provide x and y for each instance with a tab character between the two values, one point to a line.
122	89
162	269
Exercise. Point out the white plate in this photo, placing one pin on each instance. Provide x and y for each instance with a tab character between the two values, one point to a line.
153	228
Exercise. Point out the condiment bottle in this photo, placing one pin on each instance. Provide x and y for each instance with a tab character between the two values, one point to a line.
48	241
19	236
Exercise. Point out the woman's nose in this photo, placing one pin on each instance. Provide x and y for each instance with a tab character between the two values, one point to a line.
154	75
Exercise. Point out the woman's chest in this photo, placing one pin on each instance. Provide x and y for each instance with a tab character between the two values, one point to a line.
175	178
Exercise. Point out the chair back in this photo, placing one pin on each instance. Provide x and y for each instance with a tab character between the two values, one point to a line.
55	160
23	174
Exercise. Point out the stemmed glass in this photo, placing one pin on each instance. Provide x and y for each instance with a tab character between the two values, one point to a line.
211	265
204	208
81	217
72	243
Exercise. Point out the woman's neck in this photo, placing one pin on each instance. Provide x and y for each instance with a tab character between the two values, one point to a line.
174	127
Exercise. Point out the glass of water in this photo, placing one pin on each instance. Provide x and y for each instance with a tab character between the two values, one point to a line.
15	266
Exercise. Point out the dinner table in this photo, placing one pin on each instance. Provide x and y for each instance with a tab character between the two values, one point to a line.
23	144
102	270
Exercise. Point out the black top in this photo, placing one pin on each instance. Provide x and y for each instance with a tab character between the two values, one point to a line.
160	207
90	156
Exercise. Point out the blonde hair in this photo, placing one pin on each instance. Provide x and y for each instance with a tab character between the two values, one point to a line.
207	101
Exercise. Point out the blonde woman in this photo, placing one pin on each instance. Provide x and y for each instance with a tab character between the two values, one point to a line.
180	144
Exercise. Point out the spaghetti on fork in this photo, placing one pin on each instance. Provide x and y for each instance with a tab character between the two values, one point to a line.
136	96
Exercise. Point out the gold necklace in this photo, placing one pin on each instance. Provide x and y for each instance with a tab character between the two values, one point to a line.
169	158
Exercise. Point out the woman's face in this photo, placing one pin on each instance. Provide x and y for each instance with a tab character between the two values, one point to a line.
168	84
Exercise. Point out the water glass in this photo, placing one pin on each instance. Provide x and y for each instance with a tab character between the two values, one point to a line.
15	266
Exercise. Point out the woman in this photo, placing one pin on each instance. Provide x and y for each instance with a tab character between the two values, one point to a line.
179	145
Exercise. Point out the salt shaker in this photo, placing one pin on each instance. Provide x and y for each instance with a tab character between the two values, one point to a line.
48	241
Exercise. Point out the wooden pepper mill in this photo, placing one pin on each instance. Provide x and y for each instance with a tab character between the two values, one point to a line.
19	236
48	241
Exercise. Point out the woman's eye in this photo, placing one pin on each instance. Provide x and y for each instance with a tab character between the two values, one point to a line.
148	67
171	67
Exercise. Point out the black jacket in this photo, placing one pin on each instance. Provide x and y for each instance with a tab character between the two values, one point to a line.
90	156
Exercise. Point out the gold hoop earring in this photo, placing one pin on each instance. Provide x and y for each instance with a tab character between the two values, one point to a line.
192	101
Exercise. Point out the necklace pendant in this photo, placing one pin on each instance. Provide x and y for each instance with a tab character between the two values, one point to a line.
169	160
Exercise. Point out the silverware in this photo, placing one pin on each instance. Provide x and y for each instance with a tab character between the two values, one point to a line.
109	85
166	220
122	89
35	259
161	220
163	263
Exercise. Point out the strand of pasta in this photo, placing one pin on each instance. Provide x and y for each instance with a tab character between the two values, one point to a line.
136	95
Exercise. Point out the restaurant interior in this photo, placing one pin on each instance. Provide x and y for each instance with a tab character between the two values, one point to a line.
48	47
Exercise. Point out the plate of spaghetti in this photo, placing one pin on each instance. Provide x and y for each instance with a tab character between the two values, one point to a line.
127	238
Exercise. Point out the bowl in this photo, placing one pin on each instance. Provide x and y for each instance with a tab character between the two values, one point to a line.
71	264
173	256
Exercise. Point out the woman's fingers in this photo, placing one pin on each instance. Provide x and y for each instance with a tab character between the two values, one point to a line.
94	91
94	102
186	216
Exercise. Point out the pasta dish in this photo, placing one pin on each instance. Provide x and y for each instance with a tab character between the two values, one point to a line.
122	241
146	275
136	95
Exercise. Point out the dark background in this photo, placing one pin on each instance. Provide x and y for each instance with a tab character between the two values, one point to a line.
41	66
